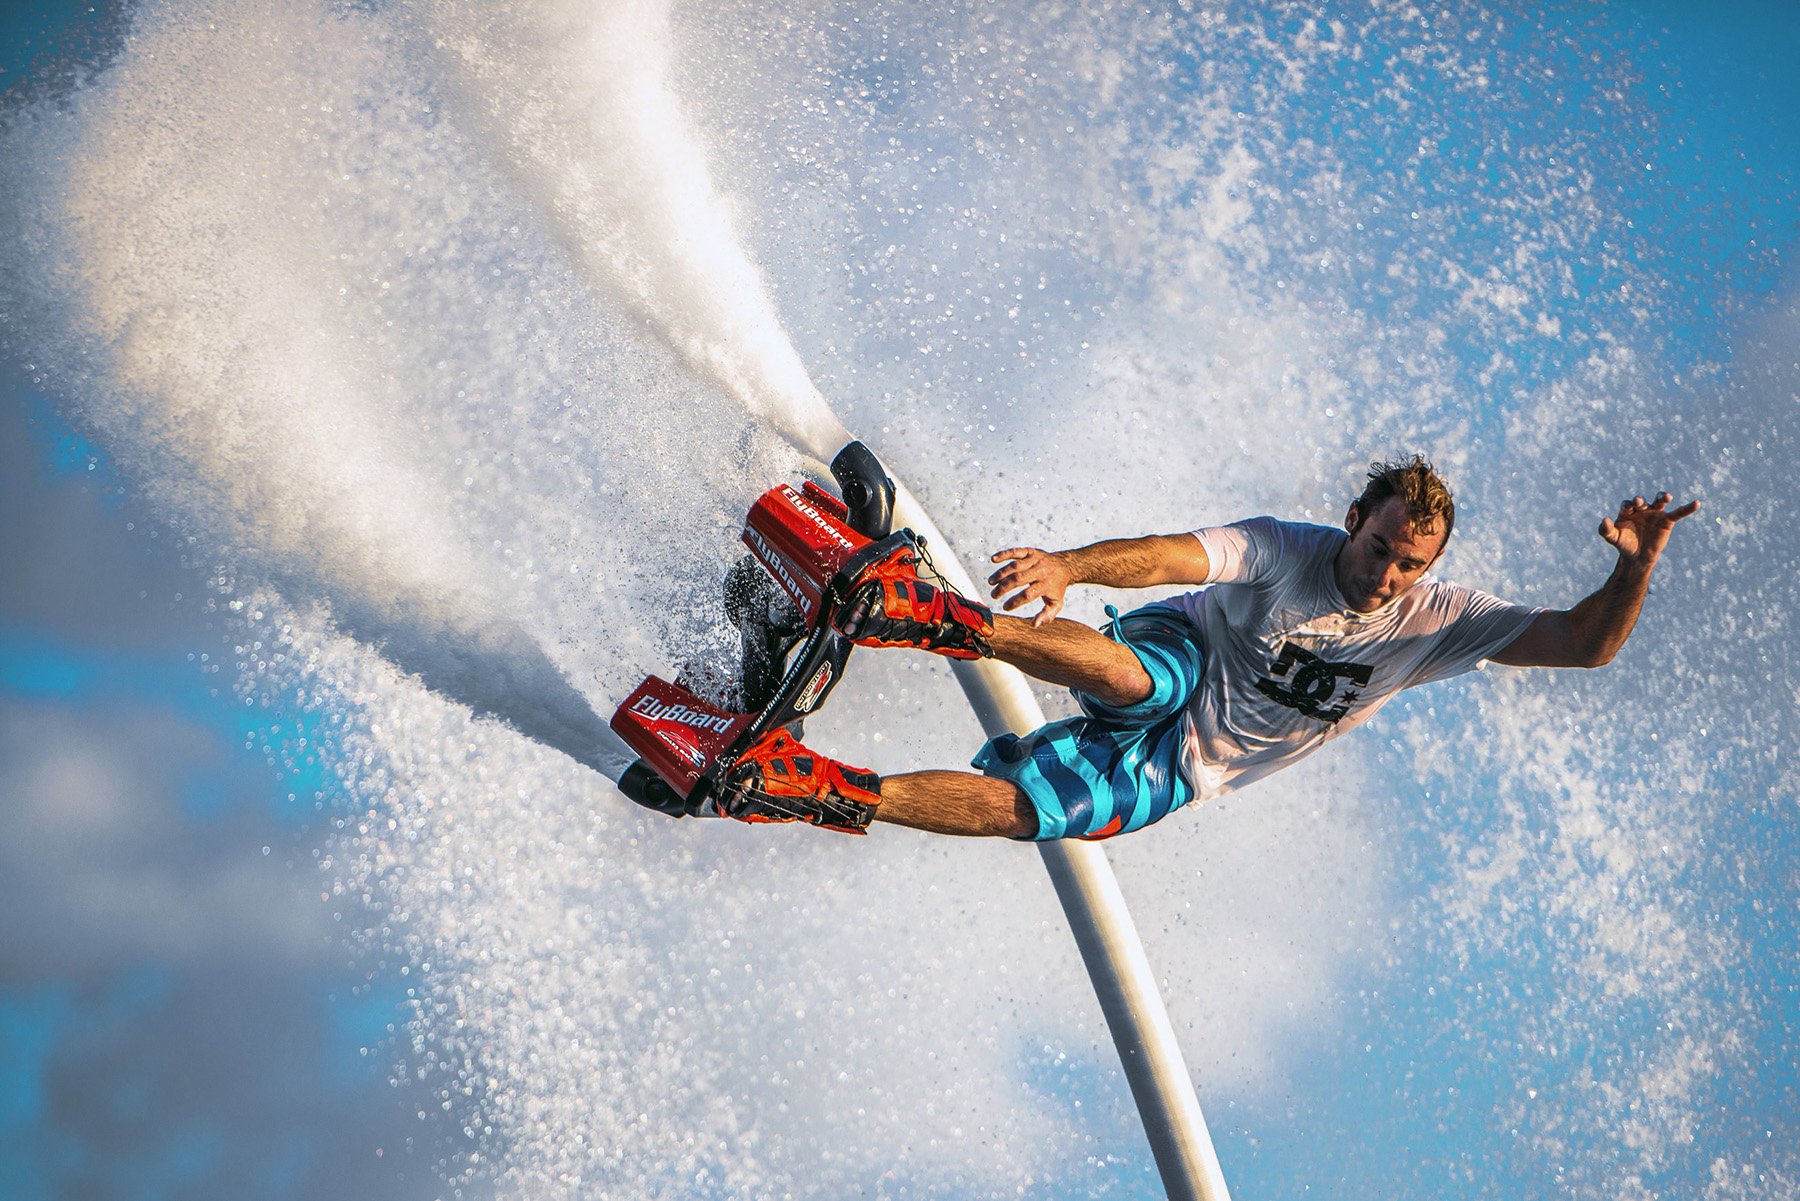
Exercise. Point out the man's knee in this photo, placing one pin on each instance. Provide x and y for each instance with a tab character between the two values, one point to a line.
1025	816
1128	685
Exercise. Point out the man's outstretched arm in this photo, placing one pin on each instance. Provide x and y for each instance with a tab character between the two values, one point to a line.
1592	632
1031	574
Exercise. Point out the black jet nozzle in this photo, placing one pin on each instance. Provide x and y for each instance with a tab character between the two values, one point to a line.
647	788
866	489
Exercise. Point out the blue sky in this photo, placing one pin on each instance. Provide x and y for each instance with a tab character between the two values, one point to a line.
202	1055
188	1046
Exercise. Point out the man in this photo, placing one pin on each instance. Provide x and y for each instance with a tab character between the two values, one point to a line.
1301	633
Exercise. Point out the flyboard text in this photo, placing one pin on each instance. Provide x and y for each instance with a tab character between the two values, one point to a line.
827	527
682	714
772	559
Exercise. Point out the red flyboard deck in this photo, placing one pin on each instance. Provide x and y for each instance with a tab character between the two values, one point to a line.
802	539
675	732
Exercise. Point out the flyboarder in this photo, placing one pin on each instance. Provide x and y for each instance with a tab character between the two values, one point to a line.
1296	634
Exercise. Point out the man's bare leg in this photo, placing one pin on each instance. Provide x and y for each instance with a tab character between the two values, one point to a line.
883	611
1059	652
1073	655
956	802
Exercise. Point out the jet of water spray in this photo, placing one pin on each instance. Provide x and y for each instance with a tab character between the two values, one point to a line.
572	99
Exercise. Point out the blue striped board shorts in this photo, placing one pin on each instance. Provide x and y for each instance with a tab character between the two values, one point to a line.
1116	769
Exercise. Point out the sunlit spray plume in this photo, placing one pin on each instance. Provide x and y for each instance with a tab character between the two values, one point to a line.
189	324
576	99
573	96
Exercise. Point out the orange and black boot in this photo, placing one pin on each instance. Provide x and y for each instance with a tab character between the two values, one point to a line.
889	605
778	780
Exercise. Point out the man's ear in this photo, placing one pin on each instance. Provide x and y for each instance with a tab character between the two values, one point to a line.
1352	518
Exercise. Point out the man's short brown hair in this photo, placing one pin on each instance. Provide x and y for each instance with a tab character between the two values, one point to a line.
1420	488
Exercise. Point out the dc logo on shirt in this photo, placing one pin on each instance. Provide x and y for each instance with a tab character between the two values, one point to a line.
1312	683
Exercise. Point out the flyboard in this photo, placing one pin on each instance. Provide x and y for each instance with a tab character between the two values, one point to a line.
806	545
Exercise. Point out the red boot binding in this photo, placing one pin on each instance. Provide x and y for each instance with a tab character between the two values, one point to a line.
778	780
890	605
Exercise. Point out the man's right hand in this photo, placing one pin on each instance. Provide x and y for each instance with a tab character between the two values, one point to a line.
1031	574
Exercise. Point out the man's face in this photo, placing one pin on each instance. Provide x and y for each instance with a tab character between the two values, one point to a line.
1385	555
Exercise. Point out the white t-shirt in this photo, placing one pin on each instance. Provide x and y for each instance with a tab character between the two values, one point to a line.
1289	666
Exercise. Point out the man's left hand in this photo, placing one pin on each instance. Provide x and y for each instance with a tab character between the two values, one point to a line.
1641	530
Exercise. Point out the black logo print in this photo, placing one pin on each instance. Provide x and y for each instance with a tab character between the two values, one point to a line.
1314	685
